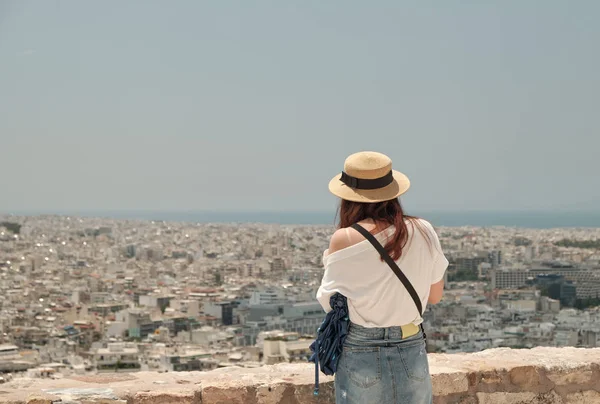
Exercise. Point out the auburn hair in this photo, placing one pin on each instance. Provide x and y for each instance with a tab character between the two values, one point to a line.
384	214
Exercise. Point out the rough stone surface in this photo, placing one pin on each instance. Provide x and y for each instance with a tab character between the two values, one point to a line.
158	397
519	398
527	378
103	401
449	382
496	376
505	398
576	376
585	397
40	399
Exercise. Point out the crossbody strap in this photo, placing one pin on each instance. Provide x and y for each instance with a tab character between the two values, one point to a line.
392	264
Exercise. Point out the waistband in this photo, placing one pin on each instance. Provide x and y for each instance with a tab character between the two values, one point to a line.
384	333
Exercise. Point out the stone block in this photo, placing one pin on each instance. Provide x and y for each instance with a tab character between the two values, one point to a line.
563	377
455	399
529	378
303	394
490	381
158	397
519	398
82	393
273	394
102	401
493	377
449	383
583	397
41	399
229	394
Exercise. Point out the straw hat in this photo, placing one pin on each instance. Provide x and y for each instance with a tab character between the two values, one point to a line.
368	177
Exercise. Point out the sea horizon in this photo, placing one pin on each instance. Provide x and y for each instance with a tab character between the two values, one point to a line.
522	219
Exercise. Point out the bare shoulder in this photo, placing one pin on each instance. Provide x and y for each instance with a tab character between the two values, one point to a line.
344	238
338	241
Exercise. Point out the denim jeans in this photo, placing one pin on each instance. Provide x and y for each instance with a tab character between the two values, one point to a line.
378	366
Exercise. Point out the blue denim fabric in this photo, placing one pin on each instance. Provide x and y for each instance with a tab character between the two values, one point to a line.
378	366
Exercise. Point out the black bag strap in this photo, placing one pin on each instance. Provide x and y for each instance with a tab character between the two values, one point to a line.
392	264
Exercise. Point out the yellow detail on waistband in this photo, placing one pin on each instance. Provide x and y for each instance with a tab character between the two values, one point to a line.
409	330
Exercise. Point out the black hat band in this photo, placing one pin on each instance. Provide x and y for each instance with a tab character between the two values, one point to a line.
361	183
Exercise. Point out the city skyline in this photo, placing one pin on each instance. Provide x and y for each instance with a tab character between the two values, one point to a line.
97	296
201	107
519	219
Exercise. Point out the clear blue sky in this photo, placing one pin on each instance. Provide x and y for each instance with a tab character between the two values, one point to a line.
246	105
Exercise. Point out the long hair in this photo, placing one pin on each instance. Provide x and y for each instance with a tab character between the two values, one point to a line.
382	213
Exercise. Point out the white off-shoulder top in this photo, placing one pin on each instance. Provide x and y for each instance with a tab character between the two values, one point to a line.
376	297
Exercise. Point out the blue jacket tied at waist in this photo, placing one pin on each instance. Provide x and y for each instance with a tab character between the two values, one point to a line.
331	335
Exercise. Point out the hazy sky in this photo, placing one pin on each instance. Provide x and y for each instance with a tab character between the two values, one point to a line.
246	105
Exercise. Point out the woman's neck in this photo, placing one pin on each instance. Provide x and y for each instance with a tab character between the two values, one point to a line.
371	224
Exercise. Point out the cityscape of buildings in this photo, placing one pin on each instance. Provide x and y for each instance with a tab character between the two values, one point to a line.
90	295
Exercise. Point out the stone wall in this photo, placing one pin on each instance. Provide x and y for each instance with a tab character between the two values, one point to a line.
496	376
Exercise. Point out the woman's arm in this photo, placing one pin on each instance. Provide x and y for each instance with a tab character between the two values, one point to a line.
435	292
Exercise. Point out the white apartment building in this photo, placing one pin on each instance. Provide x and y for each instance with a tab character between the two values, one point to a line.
117	357
266	297
285	347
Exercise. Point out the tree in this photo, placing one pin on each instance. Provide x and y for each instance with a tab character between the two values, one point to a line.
591	244
13	227
521	241
461	276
